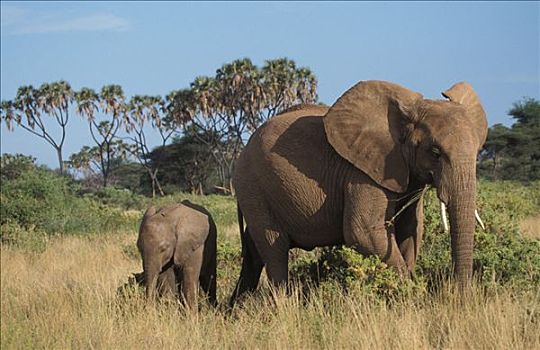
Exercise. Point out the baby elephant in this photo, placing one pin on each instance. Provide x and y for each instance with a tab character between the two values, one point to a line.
178	244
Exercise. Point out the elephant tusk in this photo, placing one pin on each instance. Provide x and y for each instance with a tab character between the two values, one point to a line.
477	216
444	218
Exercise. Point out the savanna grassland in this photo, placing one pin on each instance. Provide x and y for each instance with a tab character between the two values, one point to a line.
66	283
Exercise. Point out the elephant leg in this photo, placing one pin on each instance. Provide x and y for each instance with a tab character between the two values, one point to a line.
269	240
273	247
252	266
277	266
409	232
167	282
190	278
366	210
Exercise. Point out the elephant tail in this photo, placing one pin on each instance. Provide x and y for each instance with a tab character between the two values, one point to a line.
240	219
251	262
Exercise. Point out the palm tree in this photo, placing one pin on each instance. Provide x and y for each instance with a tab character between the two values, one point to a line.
286	85
224	110
87	102
143	109
110	101
30	104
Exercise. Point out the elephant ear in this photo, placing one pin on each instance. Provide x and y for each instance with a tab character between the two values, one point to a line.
464	94
149	212
366	126
191	232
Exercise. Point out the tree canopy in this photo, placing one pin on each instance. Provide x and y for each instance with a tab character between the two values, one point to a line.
211	119
514	153
202	128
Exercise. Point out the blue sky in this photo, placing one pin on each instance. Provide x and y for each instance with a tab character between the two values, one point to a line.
156	47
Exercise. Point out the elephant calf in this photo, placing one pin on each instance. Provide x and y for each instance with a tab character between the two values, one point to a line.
178	244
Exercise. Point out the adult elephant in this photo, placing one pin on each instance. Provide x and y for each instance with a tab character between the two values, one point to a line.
318	176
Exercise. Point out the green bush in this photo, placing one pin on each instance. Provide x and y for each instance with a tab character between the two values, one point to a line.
36	197
501	255
36	203
507	260
39	200
13	165
30	238
346	268
118	197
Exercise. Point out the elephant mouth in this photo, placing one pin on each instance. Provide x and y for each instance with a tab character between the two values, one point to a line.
423	178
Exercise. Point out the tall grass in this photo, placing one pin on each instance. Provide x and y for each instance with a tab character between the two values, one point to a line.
67	288
67	297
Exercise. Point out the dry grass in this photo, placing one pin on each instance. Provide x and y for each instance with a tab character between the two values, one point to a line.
530	227
66	297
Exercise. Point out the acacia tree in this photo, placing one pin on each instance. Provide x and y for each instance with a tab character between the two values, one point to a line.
224	110
494	150
284	85
199	112
514	153
143	110
186	162
29	107
111	103
89	160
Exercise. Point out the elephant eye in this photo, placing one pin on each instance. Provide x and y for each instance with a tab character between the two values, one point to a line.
436	151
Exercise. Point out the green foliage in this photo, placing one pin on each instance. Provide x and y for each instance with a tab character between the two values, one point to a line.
514	153
29	238
36	197
346	268
118	197
505	259
13	165
38	203
132	176
501	255
229	261
40	198
186	163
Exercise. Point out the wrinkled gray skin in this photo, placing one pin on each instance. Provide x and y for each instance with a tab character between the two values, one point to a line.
178	245
317	176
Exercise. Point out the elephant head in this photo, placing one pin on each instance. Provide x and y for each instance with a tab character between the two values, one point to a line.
403	141
156	244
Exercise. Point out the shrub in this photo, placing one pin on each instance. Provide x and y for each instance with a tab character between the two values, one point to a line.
30	238
36	197
501	255
346	268
13	165
39	200
118	197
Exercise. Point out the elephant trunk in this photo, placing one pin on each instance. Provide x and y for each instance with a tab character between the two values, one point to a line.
462	205
151	272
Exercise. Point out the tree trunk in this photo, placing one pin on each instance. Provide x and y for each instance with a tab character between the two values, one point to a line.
60	161
158	185
231	187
